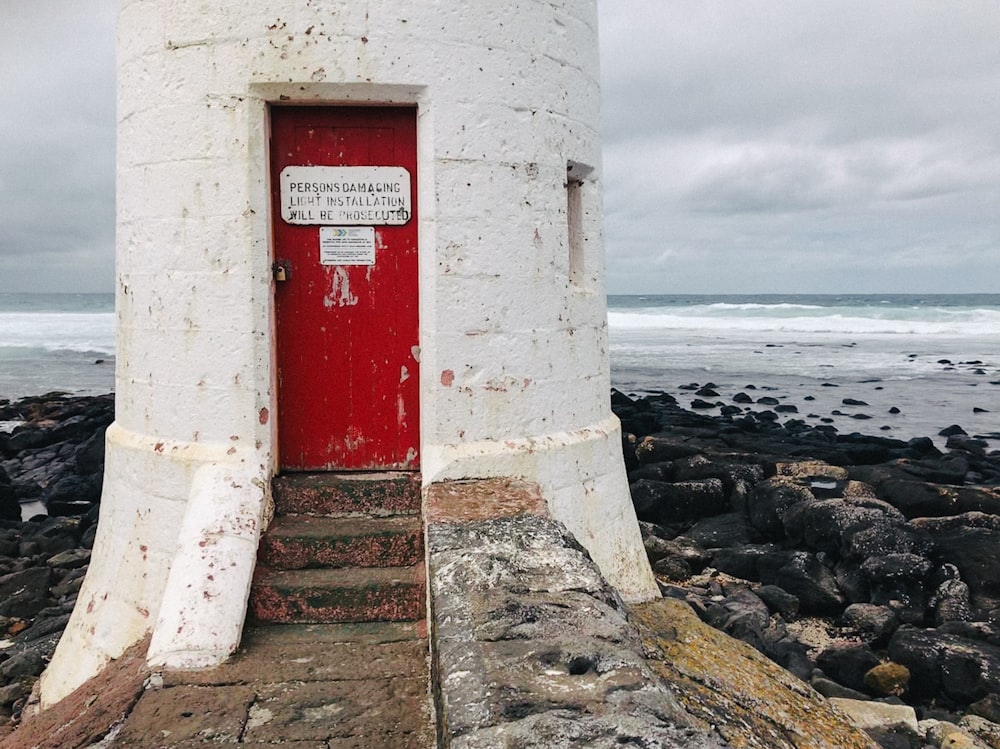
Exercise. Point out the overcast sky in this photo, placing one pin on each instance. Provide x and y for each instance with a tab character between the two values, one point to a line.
750	146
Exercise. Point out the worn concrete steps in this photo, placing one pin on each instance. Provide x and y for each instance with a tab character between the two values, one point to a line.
300	541
376	494
342	548
346	594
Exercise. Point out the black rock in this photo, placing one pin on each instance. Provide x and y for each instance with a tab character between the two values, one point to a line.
779	600
741	615
951	600
875	624
804	576
898	581
769	502
848	663
952	430
663	502
970	542
961	669
10	506
26	663
720	531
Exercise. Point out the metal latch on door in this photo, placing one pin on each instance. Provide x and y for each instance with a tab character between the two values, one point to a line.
282	270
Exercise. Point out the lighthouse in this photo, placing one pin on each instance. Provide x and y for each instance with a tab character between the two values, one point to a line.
353	238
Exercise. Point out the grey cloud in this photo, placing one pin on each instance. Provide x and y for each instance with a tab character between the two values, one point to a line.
849	144
57	159
836	145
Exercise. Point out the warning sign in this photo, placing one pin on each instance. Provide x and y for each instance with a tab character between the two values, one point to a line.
347	245
346	195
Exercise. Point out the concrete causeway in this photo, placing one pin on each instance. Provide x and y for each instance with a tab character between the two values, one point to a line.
528	647
309	686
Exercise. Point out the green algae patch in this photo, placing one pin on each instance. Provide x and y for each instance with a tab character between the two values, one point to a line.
727	685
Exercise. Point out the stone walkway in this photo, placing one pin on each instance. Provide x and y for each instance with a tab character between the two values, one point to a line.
533	650
312	686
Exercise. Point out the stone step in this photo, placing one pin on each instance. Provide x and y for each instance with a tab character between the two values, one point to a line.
338	494
345	594
300	541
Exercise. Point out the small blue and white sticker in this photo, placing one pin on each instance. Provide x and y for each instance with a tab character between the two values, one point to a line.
347	245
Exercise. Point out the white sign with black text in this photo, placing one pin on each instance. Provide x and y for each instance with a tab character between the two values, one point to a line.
347	245
346	195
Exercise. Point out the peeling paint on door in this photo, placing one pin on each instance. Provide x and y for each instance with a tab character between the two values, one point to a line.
347	337
340	293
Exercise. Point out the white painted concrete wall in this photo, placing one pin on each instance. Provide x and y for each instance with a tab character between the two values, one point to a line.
514	371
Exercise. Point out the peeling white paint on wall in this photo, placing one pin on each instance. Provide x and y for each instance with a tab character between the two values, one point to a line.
514	376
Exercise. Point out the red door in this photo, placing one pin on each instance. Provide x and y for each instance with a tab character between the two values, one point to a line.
345	246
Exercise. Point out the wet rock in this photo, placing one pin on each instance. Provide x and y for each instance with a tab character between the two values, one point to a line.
742	615
832	525
970	541
699	467
898	581
988	707
874	624
26	663
804	576
672	568
853	583
769	502
884	536
779	601
670	502
867	531
693	555
659	449
951	430
829	688
848	663
744	561
720	531
950	601
958	668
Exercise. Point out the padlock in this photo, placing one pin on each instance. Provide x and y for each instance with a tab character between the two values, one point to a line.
281	270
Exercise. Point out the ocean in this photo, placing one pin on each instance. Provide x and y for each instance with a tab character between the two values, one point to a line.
56	342
932	359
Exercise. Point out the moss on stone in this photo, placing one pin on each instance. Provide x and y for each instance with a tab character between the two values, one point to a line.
750	701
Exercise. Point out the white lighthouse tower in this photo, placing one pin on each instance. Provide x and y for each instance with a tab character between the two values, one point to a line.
354	236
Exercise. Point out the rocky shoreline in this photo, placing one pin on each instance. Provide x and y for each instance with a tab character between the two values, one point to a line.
51	470
864	565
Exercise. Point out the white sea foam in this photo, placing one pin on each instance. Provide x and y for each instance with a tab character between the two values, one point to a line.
937	361
838	321
56	342
59	331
